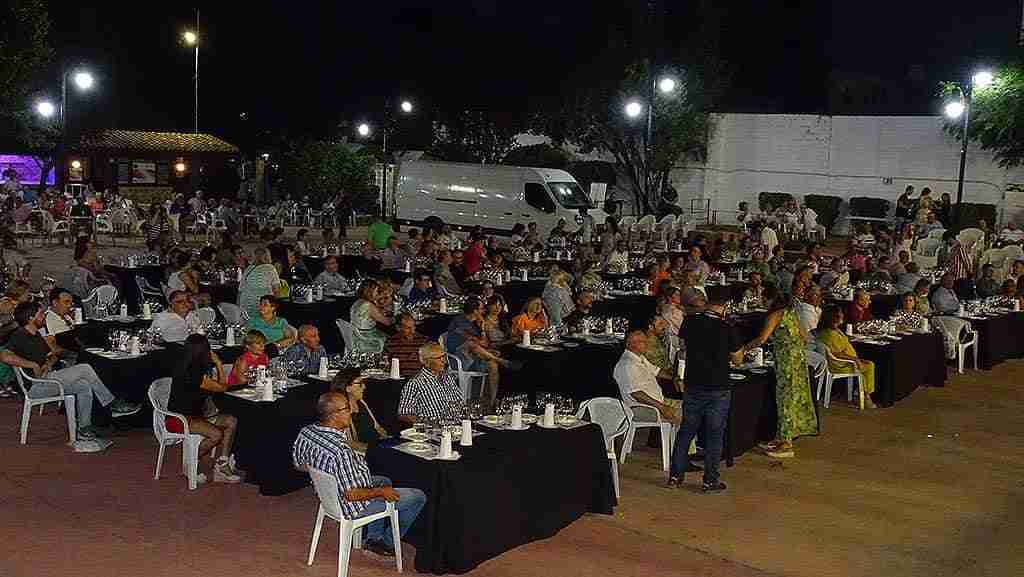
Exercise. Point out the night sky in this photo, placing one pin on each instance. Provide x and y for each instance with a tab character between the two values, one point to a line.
303	67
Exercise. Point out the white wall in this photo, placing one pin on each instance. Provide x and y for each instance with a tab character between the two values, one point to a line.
841	156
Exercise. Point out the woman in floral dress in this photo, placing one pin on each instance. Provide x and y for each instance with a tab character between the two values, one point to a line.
797	414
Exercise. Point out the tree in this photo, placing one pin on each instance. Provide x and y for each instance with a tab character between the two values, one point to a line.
322	169
472	136
24	52
997	115
537	155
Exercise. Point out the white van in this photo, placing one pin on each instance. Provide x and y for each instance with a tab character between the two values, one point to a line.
493	196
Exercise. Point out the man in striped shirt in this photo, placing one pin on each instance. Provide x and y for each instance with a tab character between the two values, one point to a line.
324	446
433	393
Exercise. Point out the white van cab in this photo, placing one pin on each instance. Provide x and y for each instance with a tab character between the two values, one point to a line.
493	196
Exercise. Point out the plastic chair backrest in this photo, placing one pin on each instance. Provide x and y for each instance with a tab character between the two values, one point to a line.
205	315
346	330
233	314
607	413
937	233
105	294
928	246
159	396
19	375
627	223
667	221
327	490
969	236
832	358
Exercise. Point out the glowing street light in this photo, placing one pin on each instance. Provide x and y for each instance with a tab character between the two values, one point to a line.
406	106
983	79
634	109
954	109
83	80
190	37
76	164
363	129
45	108
667	85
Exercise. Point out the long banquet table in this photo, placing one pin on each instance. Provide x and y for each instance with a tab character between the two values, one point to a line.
999	338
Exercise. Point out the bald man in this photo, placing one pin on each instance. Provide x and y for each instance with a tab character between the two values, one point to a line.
308	351
324	447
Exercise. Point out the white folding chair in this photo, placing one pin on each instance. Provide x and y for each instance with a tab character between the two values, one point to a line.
100	297
967	339
645	417
926	255
233	314
205	315
159	395
937	234
26	411
349	530
347	329
609	414
969	236
849	371
465	377
147	290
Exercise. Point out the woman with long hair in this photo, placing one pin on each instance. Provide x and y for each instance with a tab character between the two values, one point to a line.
197	375
365	315
364	432
496	325
258	279
532	318
557	297
797	414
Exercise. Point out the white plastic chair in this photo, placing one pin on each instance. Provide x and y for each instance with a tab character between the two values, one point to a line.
852	373
646	224
645	417
205	315
159	395
969	236
465	377
963	345
609	414
23	230
626	224
926	256
103	225
666	225
233	313
147	290
26	411
349	530
346	330
936	234
100	297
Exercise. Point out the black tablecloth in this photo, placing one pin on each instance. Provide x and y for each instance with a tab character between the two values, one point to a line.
95	333
508	489
321	314
904	365
221	293
753	414
638	309
999	339
517	292
582	372
126	279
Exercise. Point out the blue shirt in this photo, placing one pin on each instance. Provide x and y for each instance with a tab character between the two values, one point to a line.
458	330
417	296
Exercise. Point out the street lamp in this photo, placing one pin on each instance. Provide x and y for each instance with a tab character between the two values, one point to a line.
634	108
962	109
363	130
191	38
83	80
667	86
406	106
45	108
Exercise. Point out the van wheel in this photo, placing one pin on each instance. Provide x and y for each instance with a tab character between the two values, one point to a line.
434	223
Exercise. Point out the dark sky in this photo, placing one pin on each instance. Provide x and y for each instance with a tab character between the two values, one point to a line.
303	67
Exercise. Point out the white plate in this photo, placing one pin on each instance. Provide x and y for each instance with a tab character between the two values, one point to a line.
94	350
567	421
529	419
414	435
759	370
543	426
455	457
570	345
737	377
492	419
417	447
509	427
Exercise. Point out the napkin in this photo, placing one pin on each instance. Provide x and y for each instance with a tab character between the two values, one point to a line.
467	433
517	418
395	371
526	338
323	368
446	445
229	339
78	315
549	415
442	306
147	312
268	390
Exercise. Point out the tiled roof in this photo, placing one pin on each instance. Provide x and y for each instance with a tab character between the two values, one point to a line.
137	140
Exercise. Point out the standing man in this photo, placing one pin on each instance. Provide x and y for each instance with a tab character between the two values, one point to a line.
324	446
709	344
379	233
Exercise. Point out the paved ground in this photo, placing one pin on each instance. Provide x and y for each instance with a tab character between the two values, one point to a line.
929	487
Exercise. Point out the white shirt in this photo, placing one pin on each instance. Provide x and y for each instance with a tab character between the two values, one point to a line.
810	218
809	315
635	374
173	328
769	239
174	283
56	324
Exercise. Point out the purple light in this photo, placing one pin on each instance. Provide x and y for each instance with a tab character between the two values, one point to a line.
26	167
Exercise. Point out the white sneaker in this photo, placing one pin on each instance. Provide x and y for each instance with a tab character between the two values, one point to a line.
91	445
222	473
234	466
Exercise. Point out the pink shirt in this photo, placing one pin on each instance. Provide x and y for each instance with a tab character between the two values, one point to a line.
251	360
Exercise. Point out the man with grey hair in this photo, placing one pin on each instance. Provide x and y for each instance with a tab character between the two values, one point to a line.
308	351
433	393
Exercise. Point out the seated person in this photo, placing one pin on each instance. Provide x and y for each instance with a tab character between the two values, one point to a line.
532	318
859	310
308	351
324	446
467	341
496	325
331	279
907	280
404	345
584	304
637	378
906	317
839	345
392	257
944	301
434	393
693	298
1008	290
922	304
618	259
878	273
60	323
254	355
557	297
279	334
755	291
987	285
364	432
178	322
198	374
423	290
444	278
79	380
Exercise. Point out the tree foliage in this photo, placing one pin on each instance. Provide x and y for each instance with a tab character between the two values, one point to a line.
24	53
997	116
472	136
322	169
537	155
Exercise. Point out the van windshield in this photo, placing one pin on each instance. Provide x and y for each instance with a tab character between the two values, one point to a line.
570	195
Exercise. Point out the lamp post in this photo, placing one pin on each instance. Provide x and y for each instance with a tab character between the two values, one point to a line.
83	80
364	130
666	85
962	109
191	38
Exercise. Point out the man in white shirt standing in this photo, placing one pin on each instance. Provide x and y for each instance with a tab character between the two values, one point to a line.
811	226
176	324
197	203
638	378
769	240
